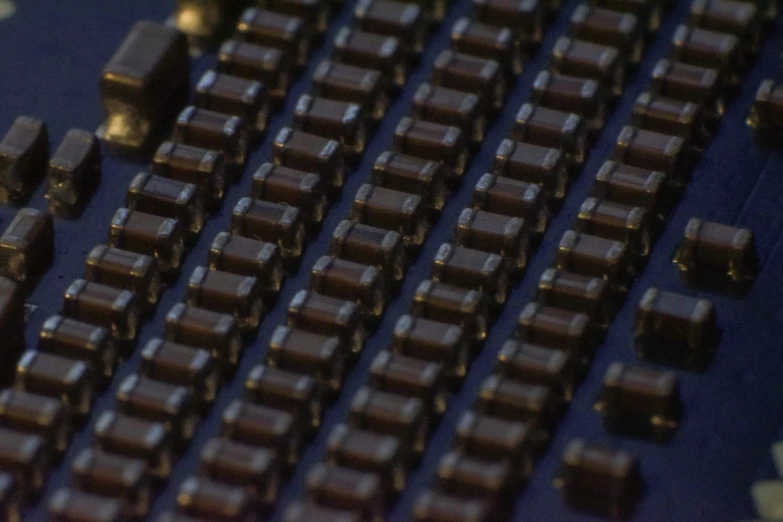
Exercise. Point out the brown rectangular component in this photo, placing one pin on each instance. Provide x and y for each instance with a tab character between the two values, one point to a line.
588	295
452	304
391	209
27	245
299	511
571	94
586	59
516	401
436	506
214	501
25	458
330	118
115	309
526	17
412	377
705	48
212	130
203	167
538	365
648	10
653	151
727	16
298	394
216	332
300	351
432	141
270	66
371	245
471	74
255	469
632	186
432	341
348	83
227	293
79	340
275	29
552	128
43	416
555	327
492	439
618	221
135	438
310	153
249	257
502	235
392	414
193	368
450	107
167	198
543	166
329	316
315	13
593	256
475	478
124	478
767	111
510	197
158	401
12	322
58	377
24	153
303	190
67	505
262	426
493	42
690	83
383	53
229	94
138	273
160	237
405	173
471	268
337	487
610	27
75	168
669	116
357	282
270	222
402	20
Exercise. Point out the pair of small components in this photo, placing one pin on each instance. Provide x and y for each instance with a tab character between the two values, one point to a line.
72	172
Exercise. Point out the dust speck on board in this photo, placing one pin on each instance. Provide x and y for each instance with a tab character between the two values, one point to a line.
7	9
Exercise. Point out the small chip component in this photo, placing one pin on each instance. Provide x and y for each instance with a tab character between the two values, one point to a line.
432	341
425	178
24	153
589	295
370	452
348	83
25	458
249	257
640	401
543	166
551	128
767	112
633	186
160	237
143	82
717	256
556	328
309	353
315	14
36	414
213	331
298	394
498	43
328	316
470	73
519	402
404	21
310	153
571	94
705	48
168	198
363	284
410	376
154	400
138	273
213	500
114	476
392	414
269	65
600	479
433	141
263	426
510	197
214	131
470	477
618	221
276	29
303	190
384	53
370	245
68	380
74	168
728	16
450	107
523	16
27	245
83	341
602	63
12	322
255	469
193	368
227	293
496	233
609	27
241	97
493	439
329	118
594	256
135	438
534	364
299	511
204	168
337	487
668	116
393	210
115	309
274	223
642	9
452	304
67	505
675	329
435	506
692	83
471	268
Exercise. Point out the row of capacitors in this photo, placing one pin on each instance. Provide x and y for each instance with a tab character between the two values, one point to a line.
326	325
597	259
158	408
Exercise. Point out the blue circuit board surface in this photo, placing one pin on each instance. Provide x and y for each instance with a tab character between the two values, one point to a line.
52	56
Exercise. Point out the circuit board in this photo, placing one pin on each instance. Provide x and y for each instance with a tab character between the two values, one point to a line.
620	435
